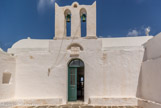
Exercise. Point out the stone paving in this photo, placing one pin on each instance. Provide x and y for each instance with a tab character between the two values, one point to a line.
76	106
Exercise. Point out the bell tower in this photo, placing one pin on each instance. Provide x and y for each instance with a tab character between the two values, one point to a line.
70	20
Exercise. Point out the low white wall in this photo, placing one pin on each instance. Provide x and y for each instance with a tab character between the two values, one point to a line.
35	81
153	47
149	88
7	65
124	42
150	80
111	73
33	70
149	83
148	104
26	45
120	72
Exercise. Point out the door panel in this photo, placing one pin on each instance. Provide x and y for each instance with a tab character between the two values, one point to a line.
72	84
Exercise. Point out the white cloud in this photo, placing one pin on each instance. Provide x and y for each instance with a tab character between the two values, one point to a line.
139	31
44	4
133	33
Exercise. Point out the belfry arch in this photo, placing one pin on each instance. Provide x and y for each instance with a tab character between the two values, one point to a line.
67	15
76	80
83	22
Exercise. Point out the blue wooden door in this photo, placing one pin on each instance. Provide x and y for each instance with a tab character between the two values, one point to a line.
72	84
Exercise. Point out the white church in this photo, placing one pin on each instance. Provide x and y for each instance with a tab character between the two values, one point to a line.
79	67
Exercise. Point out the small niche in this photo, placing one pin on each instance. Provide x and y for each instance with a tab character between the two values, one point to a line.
6	78
75	6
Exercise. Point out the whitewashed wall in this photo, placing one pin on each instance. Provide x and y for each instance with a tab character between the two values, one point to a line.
7	65
150	77
110	71
32	70
121	70
116	83
153	47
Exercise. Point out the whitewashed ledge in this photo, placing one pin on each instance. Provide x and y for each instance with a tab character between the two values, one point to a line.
110	101
148	104
29	102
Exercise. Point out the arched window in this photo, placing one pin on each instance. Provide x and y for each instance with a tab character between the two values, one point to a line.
67	22
83	17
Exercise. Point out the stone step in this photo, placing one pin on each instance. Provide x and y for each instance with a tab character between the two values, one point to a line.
76	106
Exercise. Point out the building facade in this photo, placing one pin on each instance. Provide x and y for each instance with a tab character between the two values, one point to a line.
97	71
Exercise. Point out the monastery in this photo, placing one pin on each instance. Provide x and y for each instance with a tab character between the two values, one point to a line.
78	67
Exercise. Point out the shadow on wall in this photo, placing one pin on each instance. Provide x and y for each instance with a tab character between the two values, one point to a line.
149	87
138	93
141	101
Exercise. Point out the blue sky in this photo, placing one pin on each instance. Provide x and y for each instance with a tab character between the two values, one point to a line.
20	19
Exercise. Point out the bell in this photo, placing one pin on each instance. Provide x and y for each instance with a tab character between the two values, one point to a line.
68	18
84	17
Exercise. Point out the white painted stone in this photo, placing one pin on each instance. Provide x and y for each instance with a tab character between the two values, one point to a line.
116	69
150	76
112	65
60	22
153	47
148	104
26	45
124	42
36	43
149	87
103	101
7	64
9	103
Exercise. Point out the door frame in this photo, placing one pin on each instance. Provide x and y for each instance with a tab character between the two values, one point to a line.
76	78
